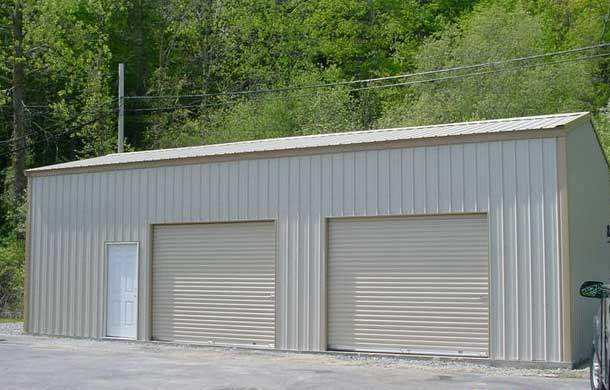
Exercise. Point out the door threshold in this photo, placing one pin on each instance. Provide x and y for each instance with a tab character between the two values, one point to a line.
120	338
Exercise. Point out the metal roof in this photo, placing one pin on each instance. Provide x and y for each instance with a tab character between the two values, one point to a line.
496	126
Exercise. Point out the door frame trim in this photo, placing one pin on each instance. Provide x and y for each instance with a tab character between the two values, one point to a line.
105	295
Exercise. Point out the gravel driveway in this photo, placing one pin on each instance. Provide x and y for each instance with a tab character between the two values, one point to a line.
28	362
11	328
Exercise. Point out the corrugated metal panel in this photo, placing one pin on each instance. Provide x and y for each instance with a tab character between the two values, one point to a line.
543	122
588	214
214	283
300	192
411	285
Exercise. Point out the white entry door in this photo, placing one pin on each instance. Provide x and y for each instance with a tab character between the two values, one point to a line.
122	290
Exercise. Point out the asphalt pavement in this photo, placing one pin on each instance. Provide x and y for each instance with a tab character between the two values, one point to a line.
36	362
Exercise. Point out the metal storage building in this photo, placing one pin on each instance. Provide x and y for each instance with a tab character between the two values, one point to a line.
465	239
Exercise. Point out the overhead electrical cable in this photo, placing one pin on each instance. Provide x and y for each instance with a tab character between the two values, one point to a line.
466	75
376	79
475	70
379	86
50	134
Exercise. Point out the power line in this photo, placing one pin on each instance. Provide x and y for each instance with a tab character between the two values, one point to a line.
453	77
55	135
377	79
179	106
31	133
461	76
366	87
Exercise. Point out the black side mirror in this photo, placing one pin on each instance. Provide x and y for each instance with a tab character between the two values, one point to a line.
592	289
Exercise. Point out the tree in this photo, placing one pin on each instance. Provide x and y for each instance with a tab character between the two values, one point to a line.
291	113
494	33
602	126
18	97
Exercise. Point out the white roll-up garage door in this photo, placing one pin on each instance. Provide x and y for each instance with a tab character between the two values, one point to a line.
409	285
214	283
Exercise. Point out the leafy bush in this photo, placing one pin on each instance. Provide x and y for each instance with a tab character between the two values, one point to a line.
12	251
602	125
494	33
11	274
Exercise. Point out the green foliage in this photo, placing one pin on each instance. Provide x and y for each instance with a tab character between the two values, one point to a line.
489	34
12	250
602	125
70	58
11	274
186	46
301	112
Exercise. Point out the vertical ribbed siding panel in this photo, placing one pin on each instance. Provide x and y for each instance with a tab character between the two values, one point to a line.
498	260
444	179
383	183
395	181
408	185
359	184
457	178
515	182
48	266
470	179
588	209
509	186
242	190
536	205
292	261
252	210
524	269
141	230
39	240
77	237
205	193
85	254
372	186
88	228
316	280
35	252
280	187
109	230
348	178
432	180
419	181
300	196
551	248
325	209
59	306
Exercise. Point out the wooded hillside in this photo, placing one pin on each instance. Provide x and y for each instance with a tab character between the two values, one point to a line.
217	71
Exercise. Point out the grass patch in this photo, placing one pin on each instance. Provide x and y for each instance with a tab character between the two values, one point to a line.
4	320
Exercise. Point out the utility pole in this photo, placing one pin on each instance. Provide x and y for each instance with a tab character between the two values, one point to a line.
121	121
18	93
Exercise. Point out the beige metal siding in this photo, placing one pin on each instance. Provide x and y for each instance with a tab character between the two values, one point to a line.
214	283
515	182
412	285
588	204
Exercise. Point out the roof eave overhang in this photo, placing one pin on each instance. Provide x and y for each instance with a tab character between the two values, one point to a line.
290	152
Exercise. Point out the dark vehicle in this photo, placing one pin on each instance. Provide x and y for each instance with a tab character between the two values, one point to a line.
599	360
